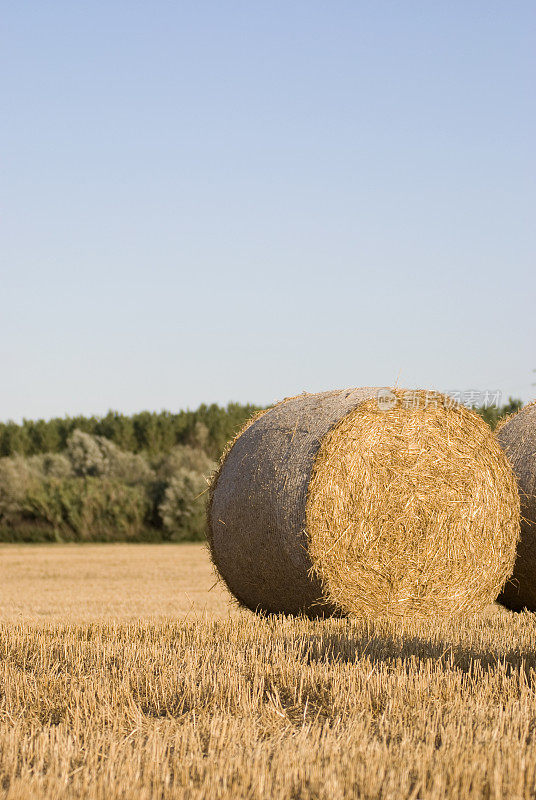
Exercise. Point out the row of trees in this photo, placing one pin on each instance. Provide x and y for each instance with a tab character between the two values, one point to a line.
209	427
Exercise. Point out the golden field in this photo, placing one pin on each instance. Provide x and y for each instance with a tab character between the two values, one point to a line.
127	674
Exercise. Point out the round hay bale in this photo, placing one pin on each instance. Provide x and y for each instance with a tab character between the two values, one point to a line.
362	501
517	437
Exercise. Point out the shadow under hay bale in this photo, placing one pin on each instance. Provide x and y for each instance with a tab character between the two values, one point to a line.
517	436
339	503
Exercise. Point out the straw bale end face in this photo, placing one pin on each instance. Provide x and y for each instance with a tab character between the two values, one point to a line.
517	436
341	502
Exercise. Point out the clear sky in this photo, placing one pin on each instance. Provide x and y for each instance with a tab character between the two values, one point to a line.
213	201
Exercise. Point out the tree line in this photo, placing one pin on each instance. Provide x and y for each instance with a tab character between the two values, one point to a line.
208	427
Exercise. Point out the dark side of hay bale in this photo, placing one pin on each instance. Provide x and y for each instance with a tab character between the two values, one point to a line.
257	527
330	504
517	436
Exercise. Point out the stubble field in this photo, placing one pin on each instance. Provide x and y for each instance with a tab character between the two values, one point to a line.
126	674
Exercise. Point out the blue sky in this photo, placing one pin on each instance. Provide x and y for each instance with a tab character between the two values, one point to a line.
214	201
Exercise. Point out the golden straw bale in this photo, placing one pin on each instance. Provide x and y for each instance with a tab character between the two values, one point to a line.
517	437
364	501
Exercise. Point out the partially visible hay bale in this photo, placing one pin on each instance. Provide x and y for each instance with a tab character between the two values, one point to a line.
336	503
517	436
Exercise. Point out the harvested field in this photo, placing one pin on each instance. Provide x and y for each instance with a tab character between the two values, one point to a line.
123	676
103	582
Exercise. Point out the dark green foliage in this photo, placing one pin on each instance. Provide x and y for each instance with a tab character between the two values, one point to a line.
494	414
27	531
87	509
210	427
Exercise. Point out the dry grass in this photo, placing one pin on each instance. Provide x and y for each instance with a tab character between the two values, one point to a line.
108	582
200	707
